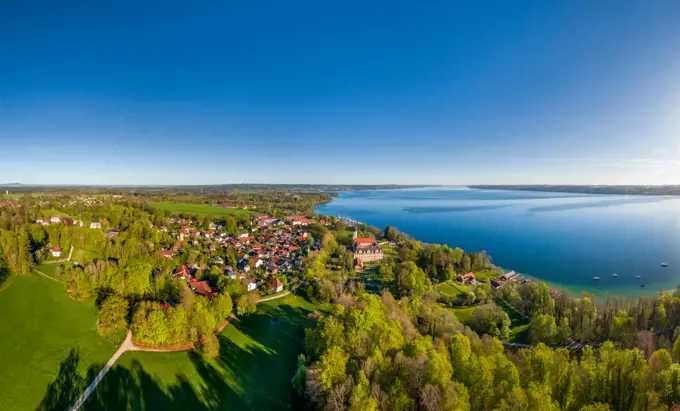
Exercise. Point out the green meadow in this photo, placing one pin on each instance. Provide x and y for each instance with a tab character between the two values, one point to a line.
258	358
201	210
39	327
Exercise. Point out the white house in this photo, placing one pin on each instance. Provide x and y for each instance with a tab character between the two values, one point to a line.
251	284
276	285
55	219
56	252
95	225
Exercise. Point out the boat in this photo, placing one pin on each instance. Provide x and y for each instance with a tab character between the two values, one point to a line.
615	275
596	278
664	264
638	277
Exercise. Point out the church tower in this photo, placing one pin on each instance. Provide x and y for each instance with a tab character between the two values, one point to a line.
356	234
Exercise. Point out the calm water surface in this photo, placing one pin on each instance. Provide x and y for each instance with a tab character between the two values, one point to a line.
563	239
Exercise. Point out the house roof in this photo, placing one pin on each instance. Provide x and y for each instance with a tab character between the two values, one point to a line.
364	241
201	287
275	282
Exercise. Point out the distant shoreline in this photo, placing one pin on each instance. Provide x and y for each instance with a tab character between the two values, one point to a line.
639	190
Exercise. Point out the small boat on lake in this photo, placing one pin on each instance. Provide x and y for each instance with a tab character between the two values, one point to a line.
596	278
664	264
638	277
615	275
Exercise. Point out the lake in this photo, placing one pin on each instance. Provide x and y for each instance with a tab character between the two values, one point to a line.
562	239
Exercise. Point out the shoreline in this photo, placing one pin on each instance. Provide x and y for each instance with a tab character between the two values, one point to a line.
599	290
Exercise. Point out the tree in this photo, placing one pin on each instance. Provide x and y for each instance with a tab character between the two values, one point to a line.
210	347
245	305
542	329
112	314
332	367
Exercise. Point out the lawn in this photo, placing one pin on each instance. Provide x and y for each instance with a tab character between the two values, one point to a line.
201	209
49	212
519	326
257	361
80	256
463	314
48	269
452	288
39	326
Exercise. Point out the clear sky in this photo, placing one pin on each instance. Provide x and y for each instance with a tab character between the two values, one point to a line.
436	92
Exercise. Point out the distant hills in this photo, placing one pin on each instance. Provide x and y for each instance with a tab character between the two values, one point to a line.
642	190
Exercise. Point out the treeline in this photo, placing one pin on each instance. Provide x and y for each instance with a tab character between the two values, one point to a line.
275	203
626	321
376	353
653	190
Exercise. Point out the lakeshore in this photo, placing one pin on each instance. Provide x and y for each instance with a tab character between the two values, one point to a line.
563	239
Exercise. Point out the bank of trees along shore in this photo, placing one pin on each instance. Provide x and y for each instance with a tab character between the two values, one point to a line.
402	350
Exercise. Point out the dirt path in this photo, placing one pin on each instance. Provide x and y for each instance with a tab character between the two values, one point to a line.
47	276
125	346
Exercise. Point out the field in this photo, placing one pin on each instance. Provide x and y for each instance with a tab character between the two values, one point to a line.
519	327
257	360
49	212
201	209
48	269
39	326
464	315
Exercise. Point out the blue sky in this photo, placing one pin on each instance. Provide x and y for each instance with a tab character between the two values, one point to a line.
441	92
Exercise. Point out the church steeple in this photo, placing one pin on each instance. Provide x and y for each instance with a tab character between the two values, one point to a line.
356	234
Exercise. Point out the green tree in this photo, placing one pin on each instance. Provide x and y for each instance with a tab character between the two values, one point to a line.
112	314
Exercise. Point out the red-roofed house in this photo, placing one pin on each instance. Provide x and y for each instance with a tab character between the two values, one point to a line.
276	285
467	277
56	252
55	219
301	221
201	287
177	245
167	254
183	272
255	262
42	221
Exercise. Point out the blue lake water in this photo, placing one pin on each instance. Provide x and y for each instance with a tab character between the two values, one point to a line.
563	239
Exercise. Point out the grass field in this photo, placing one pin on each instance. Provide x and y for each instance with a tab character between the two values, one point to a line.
48	269
257	360
39	325
49	212
452	288
463	314
201	209
80	255
519	326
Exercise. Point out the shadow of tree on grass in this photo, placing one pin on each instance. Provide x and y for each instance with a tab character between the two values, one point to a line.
66	388
254	376
4	274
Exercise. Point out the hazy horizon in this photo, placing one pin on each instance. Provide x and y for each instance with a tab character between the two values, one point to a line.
376	92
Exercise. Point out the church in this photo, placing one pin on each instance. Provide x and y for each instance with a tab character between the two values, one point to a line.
366	249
